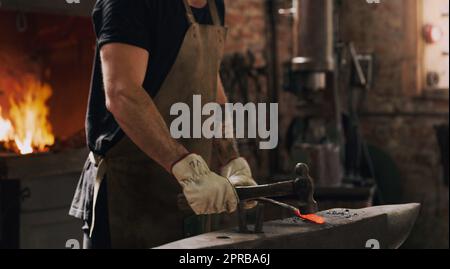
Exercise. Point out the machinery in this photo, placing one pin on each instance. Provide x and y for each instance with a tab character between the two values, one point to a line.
313	60
330	78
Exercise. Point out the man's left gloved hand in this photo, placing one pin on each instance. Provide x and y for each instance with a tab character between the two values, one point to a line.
238	172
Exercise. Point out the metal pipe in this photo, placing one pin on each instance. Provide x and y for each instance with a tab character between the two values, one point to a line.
313	36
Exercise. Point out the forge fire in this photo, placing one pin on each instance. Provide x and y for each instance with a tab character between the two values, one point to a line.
24	123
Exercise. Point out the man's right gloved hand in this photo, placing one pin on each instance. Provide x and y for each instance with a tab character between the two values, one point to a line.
206	192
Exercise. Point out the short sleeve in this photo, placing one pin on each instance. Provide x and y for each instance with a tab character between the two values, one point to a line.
221	10
122	21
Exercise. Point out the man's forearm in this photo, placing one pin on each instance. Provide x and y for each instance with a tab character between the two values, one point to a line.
227	148
139	118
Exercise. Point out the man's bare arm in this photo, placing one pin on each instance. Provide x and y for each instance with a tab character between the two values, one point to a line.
227	148
124	69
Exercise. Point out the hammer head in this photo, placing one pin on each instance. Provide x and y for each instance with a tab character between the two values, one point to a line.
300	189
304	190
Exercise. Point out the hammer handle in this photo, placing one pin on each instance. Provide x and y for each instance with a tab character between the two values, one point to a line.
279	189
300	189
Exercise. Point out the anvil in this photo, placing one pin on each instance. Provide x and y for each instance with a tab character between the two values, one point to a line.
385	227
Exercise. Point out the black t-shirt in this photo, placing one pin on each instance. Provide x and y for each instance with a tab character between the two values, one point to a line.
158	26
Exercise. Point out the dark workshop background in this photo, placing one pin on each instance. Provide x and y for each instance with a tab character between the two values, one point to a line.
402	117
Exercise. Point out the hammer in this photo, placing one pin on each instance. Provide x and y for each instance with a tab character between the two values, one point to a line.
301	189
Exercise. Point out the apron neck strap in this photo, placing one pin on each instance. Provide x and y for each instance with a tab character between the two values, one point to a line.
189	14
212	9
214	13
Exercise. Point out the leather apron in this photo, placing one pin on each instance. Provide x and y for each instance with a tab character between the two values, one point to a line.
142	196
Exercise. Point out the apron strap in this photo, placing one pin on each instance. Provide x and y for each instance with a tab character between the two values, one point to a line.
189	15
214	13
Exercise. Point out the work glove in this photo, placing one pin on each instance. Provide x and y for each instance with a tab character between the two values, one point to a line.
238	172
206	192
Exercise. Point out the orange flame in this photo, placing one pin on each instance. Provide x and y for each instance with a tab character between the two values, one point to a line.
5	128
27	125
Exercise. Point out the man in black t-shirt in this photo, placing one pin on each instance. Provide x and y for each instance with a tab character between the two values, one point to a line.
150	55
